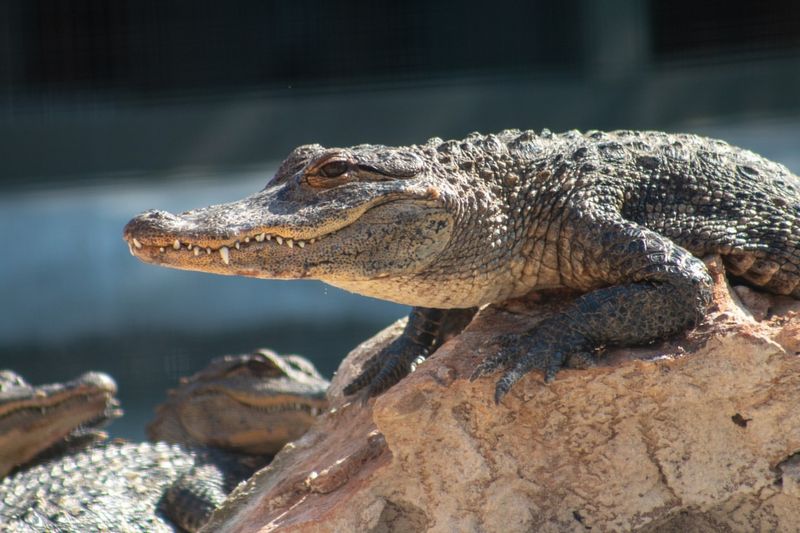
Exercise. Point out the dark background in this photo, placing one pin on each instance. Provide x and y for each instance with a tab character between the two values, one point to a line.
111	107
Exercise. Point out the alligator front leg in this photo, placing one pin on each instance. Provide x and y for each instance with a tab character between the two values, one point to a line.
425	331
657	289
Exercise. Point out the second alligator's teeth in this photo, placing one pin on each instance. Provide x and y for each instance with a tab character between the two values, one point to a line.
279	239
223	253
177	244
196	251
131	249
290	242
260	237
208	251
136	243
161	249
301	244
236	245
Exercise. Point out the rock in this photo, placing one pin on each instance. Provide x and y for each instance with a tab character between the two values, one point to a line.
696	434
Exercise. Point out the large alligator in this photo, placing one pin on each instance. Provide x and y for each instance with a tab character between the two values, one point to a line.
214	431
37	422
449	226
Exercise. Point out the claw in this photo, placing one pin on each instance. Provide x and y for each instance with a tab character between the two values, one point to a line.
363	398
416	362
505	383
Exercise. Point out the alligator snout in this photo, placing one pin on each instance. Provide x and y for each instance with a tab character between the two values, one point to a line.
149	223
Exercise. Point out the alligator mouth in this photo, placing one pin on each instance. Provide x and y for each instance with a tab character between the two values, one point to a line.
74	403
224	248
90	388
275	404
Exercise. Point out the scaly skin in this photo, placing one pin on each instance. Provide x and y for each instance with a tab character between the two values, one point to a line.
449	226
38	421
216	429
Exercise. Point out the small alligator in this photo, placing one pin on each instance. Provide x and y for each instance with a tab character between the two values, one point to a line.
449	226
48	420
214	431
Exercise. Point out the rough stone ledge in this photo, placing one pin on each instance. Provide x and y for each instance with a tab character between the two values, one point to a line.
698	434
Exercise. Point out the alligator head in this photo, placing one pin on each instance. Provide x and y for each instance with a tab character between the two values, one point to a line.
371	219
35	420
252	403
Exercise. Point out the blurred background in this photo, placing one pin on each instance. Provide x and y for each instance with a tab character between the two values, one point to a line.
111	107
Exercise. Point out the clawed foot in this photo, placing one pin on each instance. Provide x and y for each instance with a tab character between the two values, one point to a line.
545	348
387	367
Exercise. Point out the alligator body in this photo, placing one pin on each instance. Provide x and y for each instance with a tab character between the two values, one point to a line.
449	226
37	422
215	430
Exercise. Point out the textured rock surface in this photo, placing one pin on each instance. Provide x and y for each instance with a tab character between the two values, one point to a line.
699	434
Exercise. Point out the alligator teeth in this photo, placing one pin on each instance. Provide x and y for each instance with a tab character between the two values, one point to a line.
224	251
130	248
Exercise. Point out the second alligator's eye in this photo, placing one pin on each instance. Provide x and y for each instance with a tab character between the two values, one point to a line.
334	169
263	367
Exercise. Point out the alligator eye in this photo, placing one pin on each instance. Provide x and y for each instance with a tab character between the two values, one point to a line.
334	169
263	368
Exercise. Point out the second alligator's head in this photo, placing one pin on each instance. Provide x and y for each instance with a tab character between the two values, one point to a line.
39	420
252	403
381	221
